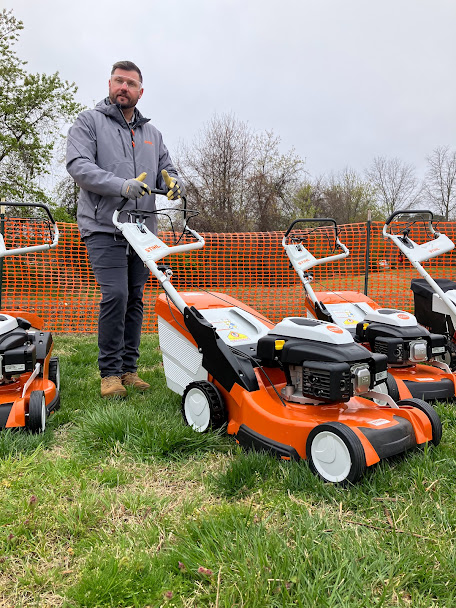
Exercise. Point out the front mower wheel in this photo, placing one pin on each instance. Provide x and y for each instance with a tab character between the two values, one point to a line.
430	412
202	406
335	453
37	412
54	372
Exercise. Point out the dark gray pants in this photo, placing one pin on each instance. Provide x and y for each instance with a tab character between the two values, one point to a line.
121	277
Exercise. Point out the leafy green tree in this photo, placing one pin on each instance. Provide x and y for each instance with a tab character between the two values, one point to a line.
33	110
344	196
307	199
347	198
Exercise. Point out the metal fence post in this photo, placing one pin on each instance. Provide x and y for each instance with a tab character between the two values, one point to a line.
367	255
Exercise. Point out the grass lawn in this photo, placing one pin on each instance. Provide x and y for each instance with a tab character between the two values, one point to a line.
120	504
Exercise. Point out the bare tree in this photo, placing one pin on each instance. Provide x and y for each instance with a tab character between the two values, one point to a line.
395	184
440	182
215	170
273	180
238	181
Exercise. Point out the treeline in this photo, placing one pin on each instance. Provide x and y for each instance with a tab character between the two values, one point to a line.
239	180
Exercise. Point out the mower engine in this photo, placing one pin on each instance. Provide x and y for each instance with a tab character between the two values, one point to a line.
320	360
397	335
20	349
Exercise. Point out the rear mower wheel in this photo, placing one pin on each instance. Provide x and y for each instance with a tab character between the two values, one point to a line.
202	406
54	372
430	412
389	387
335	453
36	421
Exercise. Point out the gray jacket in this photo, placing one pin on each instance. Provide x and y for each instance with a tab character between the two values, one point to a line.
102	152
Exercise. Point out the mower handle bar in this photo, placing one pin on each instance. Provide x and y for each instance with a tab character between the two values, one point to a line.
432	230
311	219
314	261
409	212
168	249
32	248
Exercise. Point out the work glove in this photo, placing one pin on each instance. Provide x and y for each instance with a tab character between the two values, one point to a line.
135	188
174	188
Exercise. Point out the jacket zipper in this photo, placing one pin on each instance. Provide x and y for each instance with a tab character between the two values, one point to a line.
123	144
132	135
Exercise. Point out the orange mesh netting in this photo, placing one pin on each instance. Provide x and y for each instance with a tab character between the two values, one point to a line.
58	285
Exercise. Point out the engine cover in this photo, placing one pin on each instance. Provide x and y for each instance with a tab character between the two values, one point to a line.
403	345
326	372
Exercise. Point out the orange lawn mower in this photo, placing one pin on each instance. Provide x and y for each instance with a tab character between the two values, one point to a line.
301	389
435	299
29	376
414	368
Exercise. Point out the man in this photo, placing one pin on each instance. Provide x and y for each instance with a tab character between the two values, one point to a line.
107	148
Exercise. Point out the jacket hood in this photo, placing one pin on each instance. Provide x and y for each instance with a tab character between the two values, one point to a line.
113	110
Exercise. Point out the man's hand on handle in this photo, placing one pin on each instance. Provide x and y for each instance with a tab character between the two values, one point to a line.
135	188
174	188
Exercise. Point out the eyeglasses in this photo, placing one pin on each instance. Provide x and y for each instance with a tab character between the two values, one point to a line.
130	83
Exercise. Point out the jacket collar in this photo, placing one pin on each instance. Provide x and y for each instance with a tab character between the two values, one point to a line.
113	111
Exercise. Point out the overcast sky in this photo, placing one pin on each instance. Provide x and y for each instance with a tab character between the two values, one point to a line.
341	81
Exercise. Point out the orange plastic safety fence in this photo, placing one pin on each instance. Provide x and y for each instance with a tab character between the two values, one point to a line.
58	285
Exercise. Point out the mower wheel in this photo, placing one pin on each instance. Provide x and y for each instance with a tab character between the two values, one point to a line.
202	406
389	387
37	412
335	453
54	372
430	412
393	389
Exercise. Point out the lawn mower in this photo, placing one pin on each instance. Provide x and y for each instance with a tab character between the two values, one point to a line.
301	389
412	351
435	300
29	376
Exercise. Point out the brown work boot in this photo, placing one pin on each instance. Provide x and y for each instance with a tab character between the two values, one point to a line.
111	386
132	379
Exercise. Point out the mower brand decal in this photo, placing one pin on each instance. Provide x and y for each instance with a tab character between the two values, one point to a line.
234	335
402	316
334	329
151	248
346	316
424	379
224	324
379	422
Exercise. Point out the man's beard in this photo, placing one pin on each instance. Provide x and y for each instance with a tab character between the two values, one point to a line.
124	105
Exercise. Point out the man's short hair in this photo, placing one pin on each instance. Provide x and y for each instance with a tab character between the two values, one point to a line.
128	66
